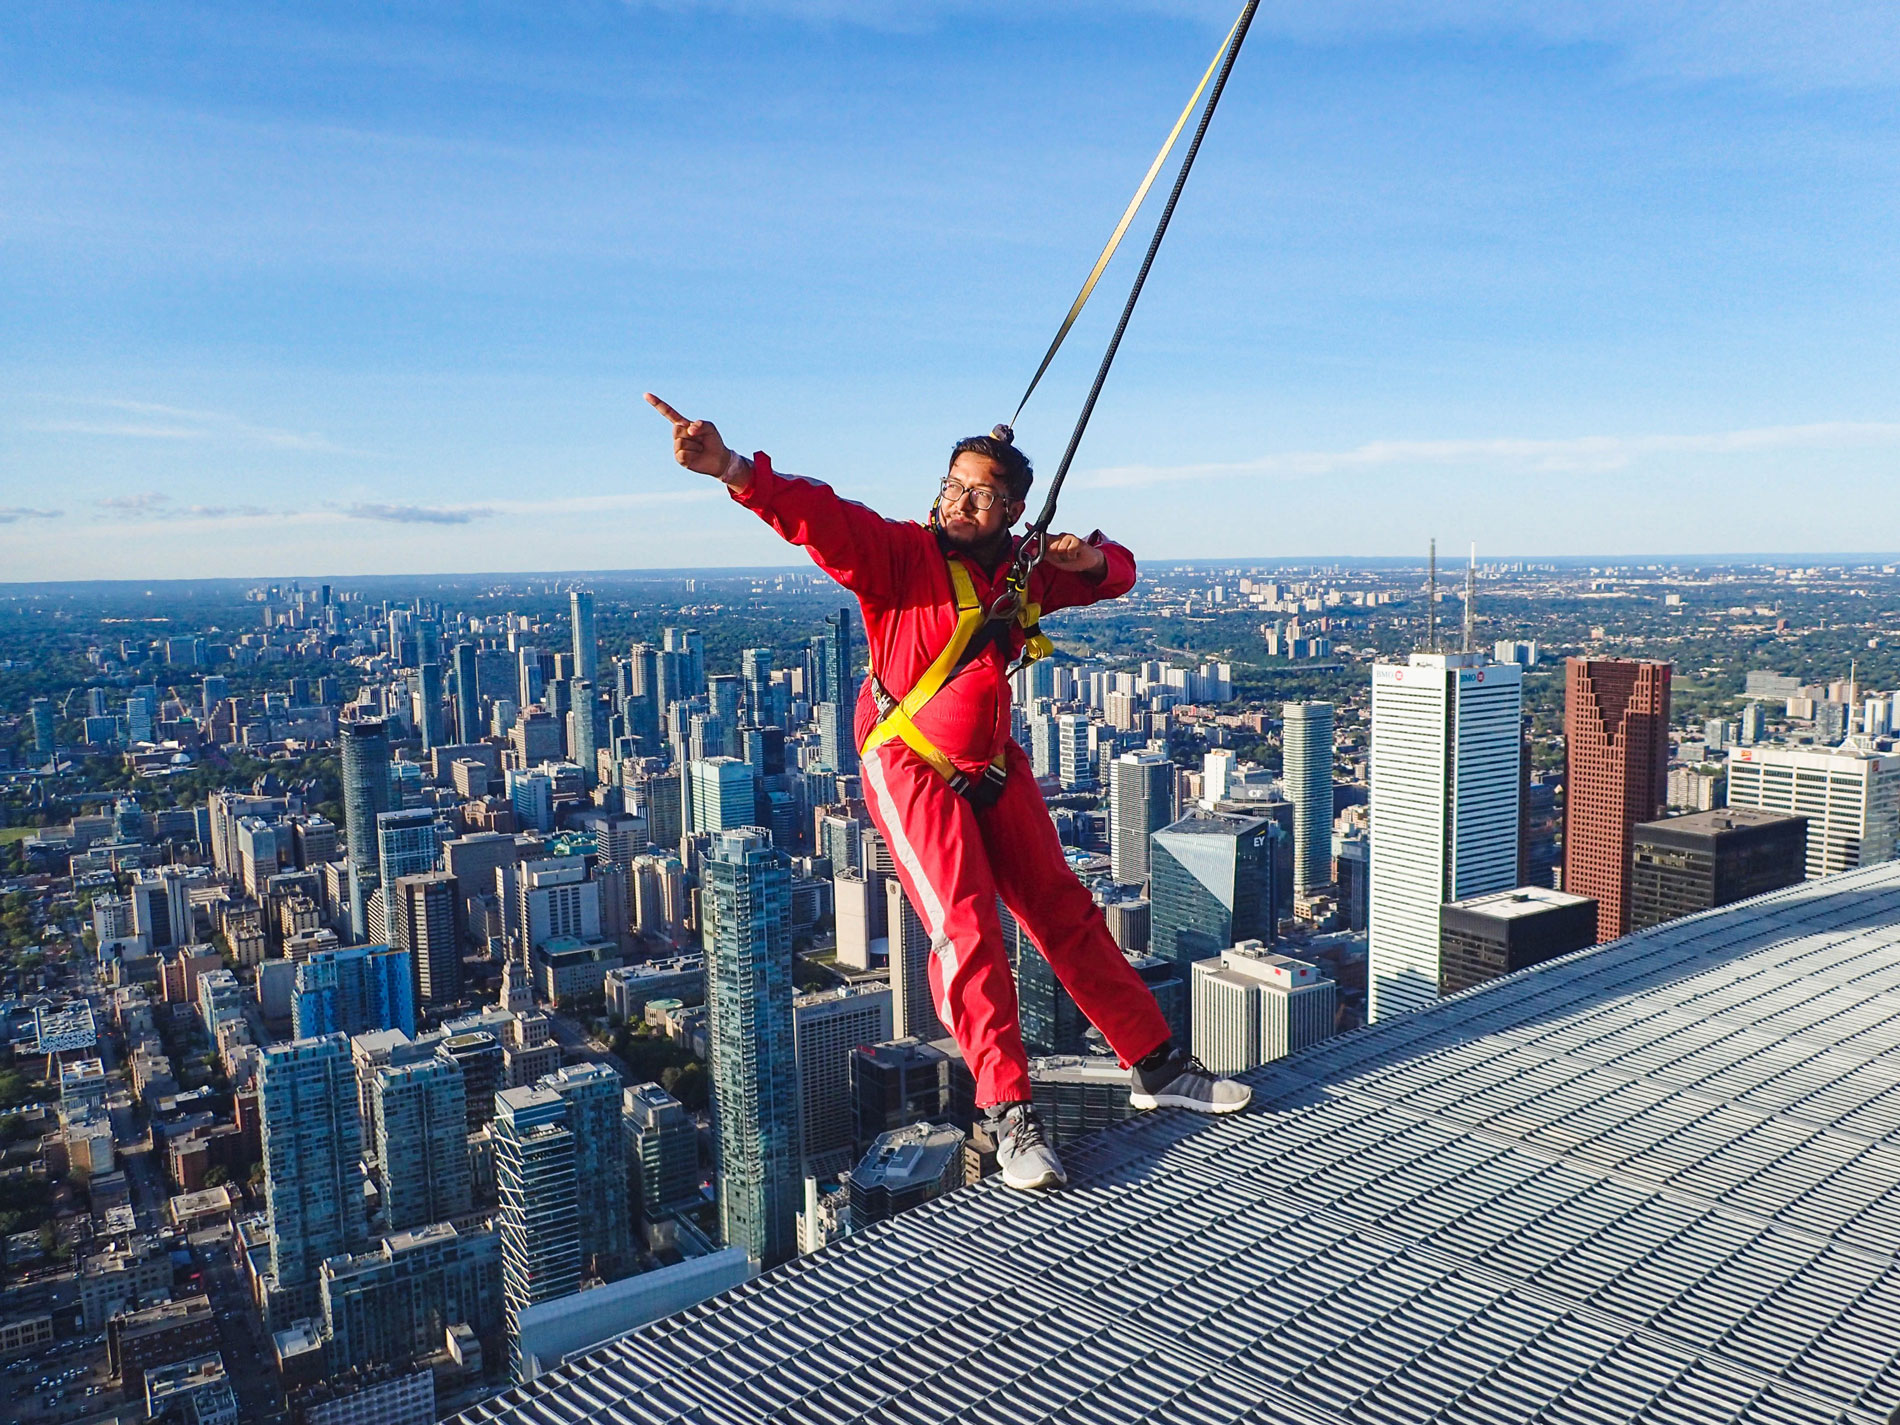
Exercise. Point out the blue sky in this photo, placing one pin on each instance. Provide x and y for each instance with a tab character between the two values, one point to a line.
344	289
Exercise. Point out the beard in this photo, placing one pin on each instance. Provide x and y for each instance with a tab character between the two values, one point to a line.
987	549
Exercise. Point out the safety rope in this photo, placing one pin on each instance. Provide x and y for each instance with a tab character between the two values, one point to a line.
1121	228
1034	543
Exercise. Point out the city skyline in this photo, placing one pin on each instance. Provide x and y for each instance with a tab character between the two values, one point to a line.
394	288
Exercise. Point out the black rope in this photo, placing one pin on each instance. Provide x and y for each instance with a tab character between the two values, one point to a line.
1029	552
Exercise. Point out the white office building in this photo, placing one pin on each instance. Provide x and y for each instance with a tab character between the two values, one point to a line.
1850	795
1140	803
1252	1006
857	900
1445	769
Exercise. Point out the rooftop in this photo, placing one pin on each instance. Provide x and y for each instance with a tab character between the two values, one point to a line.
1703	823
905	1157
1660	1180
1525	900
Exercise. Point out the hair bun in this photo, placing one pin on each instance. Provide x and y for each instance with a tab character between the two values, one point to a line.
1004	434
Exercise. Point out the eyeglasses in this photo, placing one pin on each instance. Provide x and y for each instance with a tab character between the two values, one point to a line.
980	496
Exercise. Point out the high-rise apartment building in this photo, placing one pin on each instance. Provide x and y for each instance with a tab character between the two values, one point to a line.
826	1028
746	894
662	1150
1685	864
1141	802
428	912
408	843
426	705
592	1095
161	907
421	1115
396	1302
366	787
539	1219
1252	1006
1210	885
352	991
1446	765
580	605
724	796
1307	762
313	1175
1849	794
1616	739
468	698
581	739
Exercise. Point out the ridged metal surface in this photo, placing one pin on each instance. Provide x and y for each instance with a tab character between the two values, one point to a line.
1659	1181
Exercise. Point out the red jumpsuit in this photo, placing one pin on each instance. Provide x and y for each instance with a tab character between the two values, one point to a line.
953	859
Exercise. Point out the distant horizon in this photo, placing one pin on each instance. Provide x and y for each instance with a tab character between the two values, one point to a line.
1447	561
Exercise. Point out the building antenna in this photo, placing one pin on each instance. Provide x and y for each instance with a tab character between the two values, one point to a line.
1431	602
1471	593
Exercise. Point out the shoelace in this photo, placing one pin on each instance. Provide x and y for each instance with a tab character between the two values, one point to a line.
1025	1131
1195	1066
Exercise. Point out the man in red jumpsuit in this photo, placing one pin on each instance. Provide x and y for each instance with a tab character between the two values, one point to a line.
957	848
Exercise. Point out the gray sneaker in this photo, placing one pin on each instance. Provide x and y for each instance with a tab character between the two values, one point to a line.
1023	1155
1183	1081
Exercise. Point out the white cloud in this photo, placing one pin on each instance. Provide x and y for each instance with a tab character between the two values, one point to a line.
151	421
1577	453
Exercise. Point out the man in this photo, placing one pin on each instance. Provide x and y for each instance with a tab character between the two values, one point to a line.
953	794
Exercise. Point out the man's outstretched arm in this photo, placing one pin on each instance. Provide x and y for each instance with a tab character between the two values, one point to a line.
854	545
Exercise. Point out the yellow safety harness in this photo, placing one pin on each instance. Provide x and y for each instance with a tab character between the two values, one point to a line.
897	716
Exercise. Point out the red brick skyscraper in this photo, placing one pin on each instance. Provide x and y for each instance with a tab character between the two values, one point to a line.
1616	735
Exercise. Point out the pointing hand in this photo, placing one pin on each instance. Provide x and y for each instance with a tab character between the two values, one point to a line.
696	444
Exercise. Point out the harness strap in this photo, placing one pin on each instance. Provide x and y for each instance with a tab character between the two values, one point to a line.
974	632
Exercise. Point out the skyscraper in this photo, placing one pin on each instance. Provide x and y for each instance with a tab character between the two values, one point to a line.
1307	747
1141	802
427	705
723	794
408	843
662	1150
539	1214
1210	884
1445	771
755	666
365	758
421	1116
313	1178
592	1094
747	891
352	991
826	1027
581	740
468	699
428	913
1616	739
580	606
161	907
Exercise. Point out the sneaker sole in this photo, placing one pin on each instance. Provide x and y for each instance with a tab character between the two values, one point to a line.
1045	1180
1195	1105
